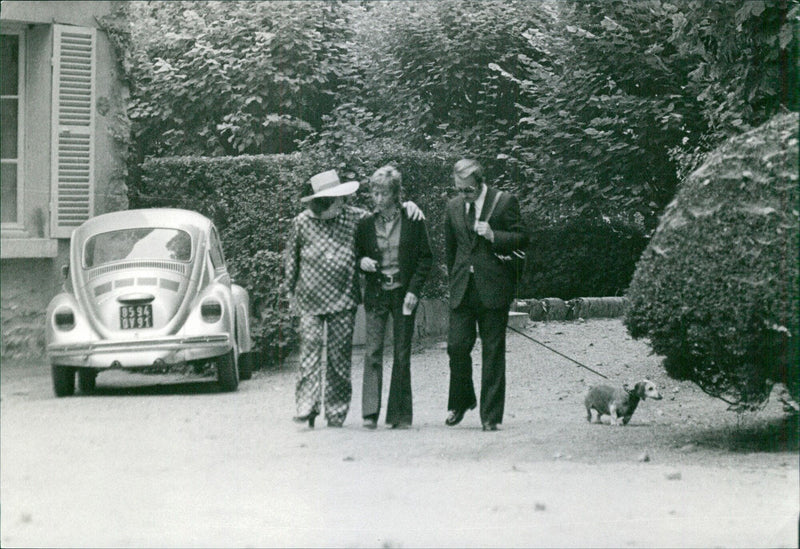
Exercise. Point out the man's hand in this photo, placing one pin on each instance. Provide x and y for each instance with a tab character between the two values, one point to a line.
369	265
413	211
483	229
410	302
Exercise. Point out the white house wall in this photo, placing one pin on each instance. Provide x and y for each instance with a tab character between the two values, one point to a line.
30	268
67	13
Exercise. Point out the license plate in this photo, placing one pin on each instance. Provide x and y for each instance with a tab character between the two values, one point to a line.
132	317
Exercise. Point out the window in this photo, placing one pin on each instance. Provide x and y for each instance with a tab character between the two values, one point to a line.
12	93
134	244
216	250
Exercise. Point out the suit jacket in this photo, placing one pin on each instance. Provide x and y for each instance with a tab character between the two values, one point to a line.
414	256
464	248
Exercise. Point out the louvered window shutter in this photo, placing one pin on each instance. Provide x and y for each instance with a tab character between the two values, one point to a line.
74	68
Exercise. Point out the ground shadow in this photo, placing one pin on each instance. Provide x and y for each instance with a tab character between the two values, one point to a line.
158	389
773	434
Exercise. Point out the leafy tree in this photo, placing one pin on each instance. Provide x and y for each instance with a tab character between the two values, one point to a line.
585	108
602	104
591	108
424	74
578	121
744	60
228	78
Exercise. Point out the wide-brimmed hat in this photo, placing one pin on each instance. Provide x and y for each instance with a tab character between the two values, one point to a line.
328	184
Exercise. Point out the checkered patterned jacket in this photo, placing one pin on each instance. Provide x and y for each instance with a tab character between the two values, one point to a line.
321	261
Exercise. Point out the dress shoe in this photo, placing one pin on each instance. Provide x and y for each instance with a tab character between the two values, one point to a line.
402	426
309	417
490	426
454	417
370	423
336	424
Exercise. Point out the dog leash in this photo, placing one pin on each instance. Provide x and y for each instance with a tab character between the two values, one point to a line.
557	352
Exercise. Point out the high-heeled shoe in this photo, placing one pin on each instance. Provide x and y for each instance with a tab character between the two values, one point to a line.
309	417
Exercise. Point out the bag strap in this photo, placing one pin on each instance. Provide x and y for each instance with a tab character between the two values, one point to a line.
492	205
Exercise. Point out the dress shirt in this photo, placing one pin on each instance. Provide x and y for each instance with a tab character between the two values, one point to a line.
387	232
478	203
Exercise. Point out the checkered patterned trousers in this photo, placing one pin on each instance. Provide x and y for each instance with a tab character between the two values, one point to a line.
339	351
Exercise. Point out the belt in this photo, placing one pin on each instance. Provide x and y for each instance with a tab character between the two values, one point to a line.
389	279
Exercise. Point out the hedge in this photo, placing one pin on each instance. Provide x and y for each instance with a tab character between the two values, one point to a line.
716	290
252	200
582	257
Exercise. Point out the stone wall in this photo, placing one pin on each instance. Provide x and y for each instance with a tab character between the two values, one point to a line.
26	285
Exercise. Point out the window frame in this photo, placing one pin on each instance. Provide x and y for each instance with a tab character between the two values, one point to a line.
215	249
19	224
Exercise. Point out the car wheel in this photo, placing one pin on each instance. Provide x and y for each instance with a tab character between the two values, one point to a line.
87	380
227	376
63	380
245	366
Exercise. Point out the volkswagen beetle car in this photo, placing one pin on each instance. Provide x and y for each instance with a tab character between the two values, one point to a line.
147	289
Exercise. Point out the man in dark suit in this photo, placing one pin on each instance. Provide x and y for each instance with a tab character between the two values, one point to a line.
481	290
394	253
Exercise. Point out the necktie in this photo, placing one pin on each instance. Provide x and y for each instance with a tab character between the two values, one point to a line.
470	216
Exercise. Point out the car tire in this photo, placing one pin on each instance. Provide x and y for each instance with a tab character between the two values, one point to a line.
245	366
87	380
227	376
63	380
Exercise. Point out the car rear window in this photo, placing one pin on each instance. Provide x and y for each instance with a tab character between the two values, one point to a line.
132	244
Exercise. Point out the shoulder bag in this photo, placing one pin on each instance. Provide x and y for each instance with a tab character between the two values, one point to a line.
515	260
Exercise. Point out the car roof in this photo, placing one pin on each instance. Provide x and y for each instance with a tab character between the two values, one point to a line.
146	217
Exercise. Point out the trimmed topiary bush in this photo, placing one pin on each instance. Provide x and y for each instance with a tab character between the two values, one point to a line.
716	290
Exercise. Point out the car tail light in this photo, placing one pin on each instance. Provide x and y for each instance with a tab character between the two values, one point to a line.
64	319
211	311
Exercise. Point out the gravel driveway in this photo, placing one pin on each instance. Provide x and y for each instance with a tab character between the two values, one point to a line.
166	461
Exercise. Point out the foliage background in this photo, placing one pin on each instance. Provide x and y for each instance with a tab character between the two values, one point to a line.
583	108
592	112
252	199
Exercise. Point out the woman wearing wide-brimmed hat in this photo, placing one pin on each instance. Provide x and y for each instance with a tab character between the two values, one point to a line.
322	281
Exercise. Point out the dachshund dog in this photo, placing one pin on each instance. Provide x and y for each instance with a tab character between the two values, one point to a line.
618	403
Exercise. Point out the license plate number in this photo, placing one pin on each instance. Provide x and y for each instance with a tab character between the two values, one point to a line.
132	317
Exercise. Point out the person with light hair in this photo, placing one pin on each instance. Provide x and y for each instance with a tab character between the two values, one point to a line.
481	223
393	251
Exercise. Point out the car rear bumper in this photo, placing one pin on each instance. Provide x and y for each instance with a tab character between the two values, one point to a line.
139	353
